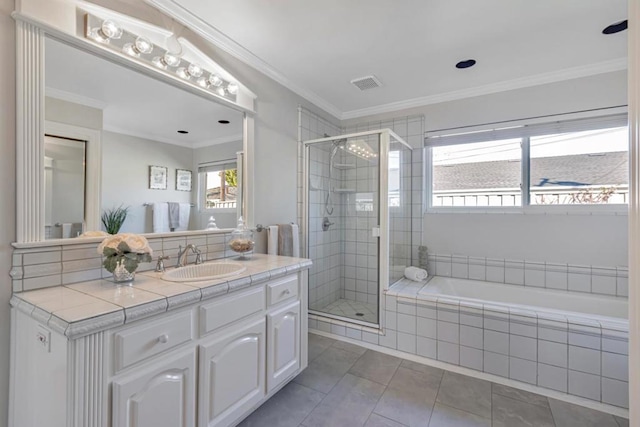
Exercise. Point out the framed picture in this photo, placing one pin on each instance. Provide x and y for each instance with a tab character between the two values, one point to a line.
183	180
157	177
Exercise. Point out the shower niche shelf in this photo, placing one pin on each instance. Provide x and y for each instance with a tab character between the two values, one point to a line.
344	165
344	190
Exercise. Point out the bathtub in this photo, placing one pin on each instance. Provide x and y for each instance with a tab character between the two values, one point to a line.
569	342
570	303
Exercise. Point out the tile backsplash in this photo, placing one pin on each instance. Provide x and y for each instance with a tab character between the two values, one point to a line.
593	279
43	266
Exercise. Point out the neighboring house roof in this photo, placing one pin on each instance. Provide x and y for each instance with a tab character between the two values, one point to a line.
576	170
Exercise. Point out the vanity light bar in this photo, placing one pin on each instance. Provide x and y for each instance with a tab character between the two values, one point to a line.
110	35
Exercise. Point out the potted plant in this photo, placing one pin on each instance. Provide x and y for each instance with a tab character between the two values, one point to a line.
112	219
123	253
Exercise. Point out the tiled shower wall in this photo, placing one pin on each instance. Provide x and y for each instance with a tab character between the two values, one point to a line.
324	247
349	248
407	219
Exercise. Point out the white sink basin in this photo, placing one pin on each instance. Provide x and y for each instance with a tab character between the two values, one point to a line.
200	272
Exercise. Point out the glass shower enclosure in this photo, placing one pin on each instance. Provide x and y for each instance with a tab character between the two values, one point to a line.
357	221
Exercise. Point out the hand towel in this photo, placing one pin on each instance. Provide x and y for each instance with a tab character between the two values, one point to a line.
66	230
185	212
285	240
160	217
416	274
174	215
272	240
296	240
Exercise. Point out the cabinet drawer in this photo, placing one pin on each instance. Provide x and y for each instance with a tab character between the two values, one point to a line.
135	344
282	289
227	310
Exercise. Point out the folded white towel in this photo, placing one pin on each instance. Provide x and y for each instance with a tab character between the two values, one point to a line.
174	215
272	240
160	217
416	274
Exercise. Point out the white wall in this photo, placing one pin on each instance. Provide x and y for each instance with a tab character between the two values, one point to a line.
57	110
226	218
7	189
578	239
125	177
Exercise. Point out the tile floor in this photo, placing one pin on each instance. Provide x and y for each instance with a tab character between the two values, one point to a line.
348	308
348	386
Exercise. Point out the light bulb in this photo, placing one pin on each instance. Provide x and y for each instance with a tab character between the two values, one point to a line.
215	80
220	91
130	49
143	45
159	62
194	70
171	60
232	88
110	29
182	72
202	81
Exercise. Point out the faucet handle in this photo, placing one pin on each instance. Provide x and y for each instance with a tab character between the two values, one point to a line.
198	257
160	264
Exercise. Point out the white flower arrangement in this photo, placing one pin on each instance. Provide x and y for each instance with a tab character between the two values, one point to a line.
125	249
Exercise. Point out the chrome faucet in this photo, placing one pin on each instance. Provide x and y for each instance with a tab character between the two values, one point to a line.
182	255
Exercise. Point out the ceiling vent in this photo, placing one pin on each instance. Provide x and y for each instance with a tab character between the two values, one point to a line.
366	82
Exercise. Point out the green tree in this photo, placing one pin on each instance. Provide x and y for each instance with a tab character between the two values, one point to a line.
231	177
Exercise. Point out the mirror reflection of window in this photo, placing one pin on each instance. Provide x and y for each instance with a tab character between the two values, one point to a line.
64	187
219	183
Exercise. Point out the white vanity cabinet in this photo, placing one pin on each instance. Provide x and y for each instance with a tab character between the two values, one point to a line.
160	396
207	365
232	374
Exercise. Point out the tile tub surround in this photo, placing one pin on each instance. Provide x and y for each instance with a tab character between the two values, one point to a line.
347	385
567	353
567	277
53	263
83	308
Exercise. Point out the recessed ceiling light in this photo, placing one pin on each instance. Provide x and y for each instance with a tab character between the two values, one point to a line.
616	28
224	122
466	63
184	132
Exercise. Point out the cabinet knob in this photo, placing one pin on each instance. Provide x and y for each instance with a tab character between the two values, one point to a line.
163	339
286	292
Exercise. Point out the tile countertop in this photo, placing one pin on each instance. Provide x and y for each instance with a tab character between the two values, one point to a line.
84	308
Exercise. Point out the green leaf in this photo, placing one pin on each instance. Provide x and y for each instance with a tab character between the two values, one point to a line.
130	264
112	219
110	263
131	255
123	248
145	258
109	252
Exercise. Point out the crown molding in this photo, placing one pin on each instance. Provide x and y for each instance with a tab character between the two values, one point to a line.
520	83
219	39
74	98
213	35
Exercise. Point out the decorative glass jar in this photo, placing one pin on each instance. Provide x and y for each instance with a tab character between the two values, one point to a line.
242	240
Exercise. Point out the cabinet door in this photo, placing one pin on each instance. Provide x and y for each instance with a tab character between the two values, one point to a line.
283	344
162	396
232	377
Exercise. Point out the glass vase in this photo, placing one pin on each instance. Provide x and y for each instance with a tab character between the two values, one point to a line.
121	275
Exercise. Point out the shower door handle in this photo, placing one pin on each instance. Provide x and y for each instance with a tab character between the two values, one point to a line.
375	231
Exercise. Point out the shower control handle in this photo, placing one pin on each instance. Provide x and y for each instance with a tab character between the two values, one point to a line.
326	224
375	231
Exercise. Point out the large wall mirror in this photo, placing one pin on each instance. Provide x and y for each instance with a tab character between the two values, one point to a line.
146	127
101	131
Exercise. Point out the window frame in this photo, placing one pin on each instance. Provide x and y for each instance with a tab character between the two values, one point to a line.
526	207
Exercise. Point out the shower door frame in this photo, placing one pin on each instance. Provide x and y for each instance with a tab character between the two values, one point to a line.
383	214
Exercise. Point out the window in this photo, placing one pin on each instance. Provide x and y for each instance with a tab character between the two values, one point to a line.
219	184
574	162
